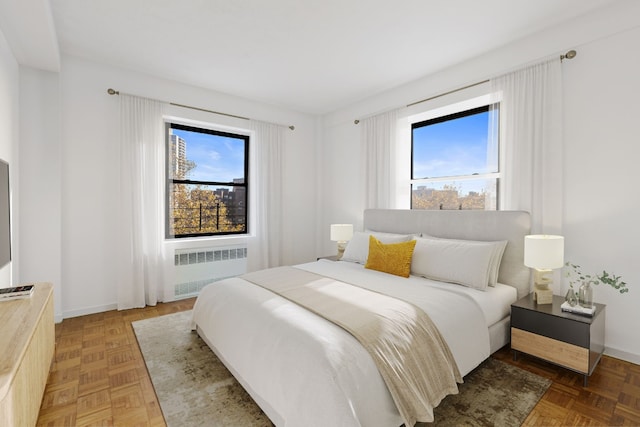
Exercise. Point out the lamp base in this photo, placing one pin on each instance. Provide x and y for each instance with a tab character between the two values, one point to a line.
341	247
542	295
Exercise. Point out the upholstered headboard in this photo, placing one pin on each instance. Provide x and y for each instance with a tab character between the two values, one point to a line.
468	225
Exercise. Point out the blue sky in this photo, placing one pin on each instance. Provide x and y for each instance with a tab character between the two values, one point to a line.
218	158
450	148
455	147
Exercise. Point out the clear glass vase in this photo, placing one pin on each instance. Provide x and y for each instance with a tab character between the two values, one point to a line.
585	295
571	297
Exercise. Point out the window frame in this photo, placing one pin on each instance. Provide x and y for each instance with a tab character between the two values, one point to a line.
463	110
169	182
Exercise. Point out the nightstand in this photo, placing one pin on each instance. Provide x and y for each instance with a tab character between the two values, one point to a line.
330	258
570	340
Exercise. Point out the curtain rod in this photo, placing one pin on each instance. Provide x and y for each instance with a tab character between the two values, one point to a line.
569	55
116	92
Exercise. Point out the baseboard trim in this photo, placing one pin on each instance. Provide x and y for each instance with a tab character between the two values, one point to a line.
623	355
88	310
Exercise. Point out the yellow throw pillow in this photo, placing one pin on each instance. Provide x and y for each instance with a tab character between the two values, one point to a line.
392	258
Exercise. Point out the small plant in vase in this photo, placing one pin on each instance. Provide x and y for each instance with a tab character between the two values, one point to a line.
585	292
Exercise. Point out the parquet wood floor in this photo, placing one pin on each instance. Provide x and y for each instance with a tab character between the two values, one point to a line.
612	397
98	377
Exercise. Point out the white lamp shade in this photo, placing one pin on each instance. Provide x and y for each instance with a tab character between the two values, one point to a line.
341	232
543	252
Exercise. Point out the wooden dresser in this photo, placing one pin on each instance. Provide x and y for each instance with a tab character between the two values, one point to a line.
27	342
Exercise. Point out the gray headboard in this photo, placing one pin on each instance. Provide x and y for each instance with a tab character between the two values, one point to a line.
469	225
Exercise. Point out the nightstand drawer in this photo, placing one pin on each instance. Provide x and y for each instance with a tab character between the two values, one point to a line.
562	353
540	323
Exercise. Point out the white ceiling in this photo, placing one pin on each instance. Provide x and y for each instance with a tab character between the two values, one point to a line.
309	56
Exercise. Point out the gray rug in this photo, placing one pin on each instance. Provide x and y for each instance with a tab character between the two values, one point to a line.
195	389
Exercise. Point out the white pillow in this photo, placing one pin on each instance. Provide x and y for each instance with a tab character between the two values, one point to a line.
496	260
357	249
466	262
499	247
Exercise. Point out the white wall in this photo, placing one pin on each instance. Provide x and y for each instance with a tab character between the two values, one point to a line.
40	198
9	106
89	192
602	201
600	111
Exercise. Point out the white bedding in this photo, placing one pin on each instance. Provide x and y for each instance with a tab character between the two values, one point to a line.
303	370
495	302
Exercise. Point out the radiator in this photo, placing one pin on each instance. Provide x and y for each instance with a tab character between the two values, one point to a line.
197	267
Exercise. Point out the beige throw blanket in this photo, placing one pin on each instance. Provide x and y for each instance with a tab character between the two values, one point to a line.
411	355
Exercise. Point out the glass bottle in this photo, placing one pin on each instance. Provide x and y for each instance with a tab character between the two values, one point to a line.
571	297
585	295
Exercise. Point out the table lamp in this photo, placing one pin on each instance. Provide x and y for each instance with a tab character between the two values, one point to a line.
543	253
341	233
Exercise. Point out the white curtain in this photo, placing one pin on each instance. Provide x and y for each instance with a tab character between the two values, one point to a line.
264	246
531	116
141	209
378	142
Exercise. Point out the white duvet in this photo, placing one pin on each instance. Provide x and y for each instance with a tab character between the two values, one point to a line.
305	371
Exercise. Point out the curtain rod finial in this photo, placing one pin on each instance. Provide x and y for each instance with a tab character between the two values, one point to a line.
356	121
112	92
292	127
569	55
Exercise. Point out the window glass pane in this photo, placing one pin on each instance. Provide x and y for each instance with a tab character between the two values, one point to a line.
466	195
207	209
454	145
201	156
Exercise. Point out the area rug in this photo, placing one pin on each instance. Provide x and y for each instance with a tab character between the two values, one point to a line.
195	389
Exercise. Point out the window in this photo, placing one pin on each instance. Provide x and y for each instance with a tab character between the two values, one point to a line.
207	174
454	161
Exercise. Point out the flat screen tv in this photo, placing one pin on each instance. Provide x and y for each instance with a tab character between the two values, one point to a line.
5	215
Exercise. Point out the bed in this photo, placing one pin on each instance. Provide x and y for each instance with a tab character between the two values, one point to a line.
302	369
